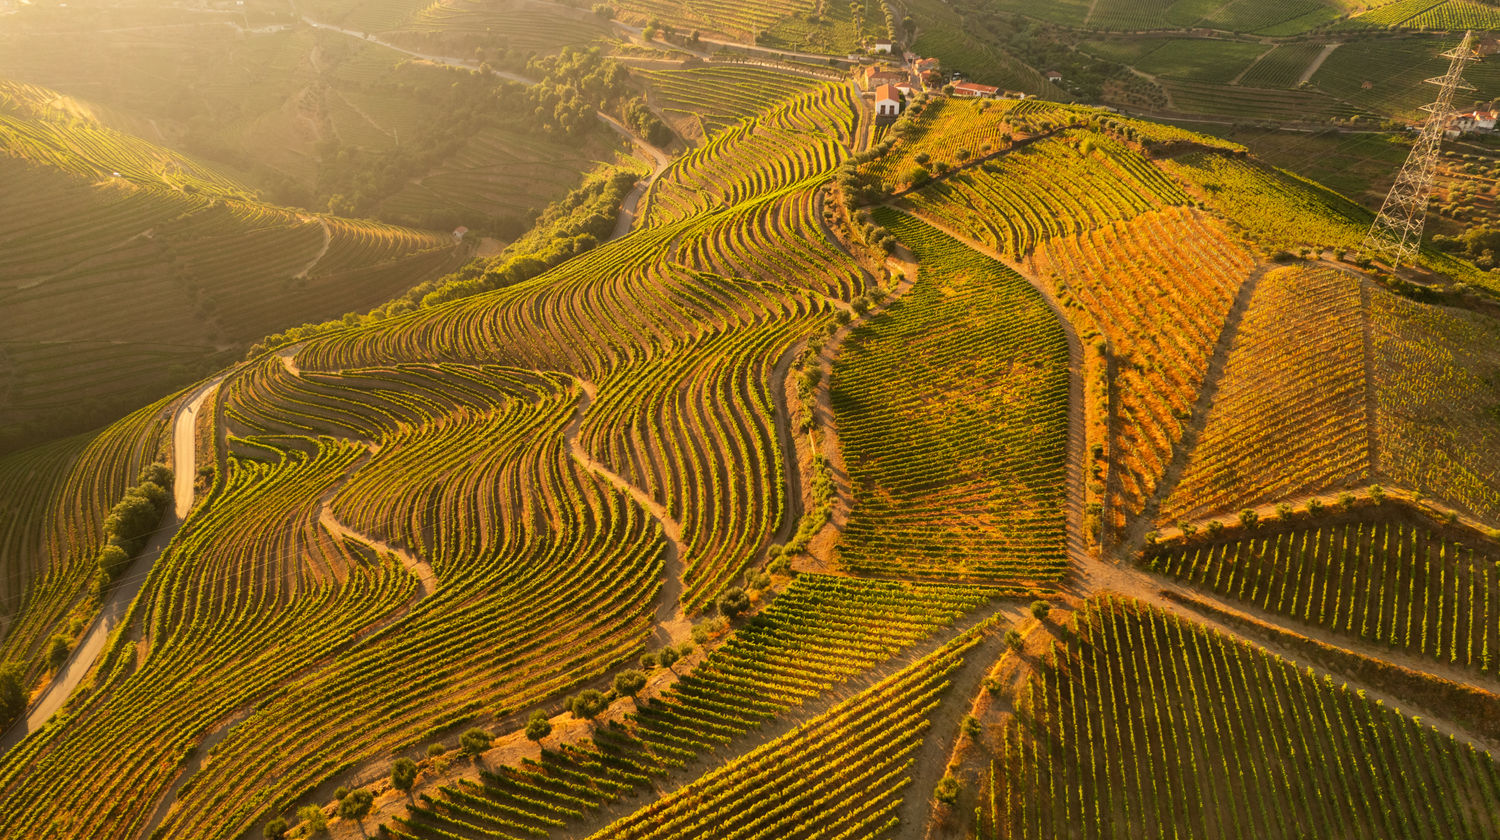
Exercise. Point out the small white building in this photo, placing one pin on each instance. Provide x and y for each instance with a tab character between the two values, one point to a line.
1054	77
882	47
887	101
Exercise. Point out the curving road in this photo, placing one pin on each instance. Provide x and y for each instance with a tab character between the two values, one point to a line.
81	661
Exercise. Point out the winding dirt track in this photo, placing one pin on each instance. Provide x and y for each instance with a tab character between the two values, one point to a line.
672	625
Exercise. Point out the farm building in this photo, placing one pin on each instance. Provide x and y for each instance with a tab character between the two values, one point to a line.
874	77
882	47
887	101
1054	77
974	90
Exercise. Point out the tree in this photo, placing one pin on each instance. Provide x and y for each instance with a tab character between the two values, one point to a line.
131	521
587	704
58	653
275	829
155	473
403	774
356	805
1039	610
667	657
1013	639
539	727
113	561
734	602
475	741
313	816
12	694
629	682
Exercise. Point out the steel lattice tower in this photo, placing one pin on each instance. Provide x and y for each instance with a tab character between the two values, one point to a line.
1397	231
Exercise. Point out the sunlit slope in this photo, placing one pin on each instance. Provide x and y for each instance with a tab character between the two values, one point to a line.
127	270
1160	245
483	438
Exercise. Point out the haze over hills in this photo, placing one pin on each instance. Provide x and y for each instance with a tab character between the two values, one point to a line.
789	443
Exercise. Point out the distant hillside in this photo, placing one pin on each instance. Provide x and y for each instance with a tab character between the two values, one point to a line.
127	270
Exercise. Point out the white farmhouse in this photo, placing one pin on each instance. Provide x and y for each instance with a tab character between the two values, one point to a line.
887	101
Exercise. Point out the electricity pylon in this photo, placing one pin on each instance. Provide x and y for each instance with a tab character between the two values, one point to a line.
1397	231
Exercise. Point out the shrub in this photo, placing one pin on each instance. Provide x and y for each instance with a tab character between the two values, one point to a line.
314	818
57	654
648	661
403	774
587	704
12	694
113	561
734	602
1214	526
1039	609
947	790
274	830
628	683
539	726
1013	639
435	749
1249	518
340	793
356	805
475	741
1314	506
971	726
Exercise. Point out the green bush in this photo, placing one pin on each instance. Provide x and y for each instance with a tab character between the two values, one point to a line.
403	774
539	726
475	741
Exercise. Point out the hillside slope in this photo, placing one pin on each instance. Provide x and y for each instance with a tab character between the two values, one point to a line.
127	270
449	518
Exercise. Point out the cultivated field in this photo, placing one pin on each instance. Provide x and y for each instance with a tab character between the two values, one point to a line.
1009	470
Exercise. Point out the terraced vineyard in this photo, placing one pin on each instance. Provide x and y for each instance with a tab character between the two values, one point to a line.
1050	188
802	440
1384	575
1225	739
1436	415
701	101
855	755
1160	322
798	649
1293	411
952	409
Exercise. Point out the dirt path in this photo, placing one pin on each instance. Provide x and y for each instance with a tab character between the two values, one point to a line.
125	589
672	625
1251	66
1317	63
660	159
322	252
930	761
435	59
426	580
